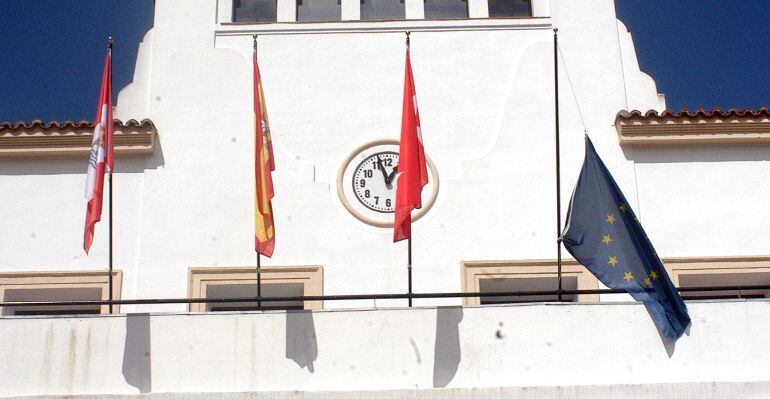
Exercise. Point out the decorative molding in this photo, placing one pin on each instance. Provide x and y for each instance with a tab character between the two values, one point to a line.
199	278
73	139
475	271
65	279
693	128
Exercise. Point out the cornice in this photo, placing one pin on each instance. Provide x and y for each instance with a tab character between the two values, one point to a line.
715	127
72	139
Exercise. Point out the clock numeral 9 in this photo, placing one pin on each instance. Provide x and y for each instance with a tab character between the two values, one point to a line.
363	183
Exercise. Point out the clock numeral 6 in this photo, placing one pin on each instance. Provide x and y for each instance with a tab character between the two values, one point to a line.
387	202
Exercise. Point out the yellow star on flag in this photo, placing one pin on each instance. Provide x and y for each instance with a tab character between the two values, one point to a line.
654	275
611	218
628	276
613	260
622	207
606	239
647	282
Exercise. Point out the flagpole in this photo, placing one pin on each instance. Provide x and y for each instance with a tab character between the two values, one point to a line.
109	278
259	280
558	169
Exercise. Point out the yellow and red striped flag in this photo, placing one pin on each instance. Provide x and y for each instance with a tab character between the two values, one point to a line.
264	228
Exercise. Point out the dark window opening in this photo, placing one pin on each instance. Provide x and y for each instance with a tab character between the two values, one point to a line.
48	295
510	8
724	279
526	284
319	10
377	10
250	290
446	9
254	10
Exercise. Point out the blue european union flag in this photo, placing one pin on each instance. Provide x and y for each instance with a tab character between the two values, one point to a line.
605	236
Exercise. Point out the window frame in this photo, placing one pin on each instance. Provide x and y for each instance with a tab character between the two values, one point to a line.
714	266
64	279
473	272
199	278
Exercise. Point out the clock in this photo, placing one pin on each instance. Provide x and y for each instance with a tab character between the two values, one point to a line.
367	182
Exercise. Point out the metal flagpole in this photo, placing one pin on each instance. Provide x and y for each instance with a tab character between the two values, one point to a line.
409	265
558	169
109	278
259	280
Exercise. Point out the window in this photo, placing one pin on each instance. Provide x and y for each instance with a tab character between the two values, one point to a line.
510	8
529	283
319	10
58	286
254	10
373	10
241	282
715	272
525	275
446	9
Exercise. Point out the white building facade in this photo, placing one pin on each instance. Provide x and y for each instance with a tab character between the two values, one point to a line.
184	198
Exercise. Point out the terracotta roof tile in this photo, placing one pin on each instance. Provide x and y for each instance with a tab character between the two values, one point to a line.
715	113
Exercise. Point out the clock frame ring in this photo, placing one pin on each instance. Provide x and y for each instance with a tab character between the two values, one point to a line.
431	200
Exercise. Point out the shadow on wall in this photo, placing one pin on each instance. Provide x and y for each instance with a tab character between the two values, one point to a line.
301	344
74	166
447	349
701	153
137	353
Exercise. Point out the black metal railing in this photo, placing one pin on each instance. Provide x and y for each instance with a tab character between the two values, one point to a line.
305	298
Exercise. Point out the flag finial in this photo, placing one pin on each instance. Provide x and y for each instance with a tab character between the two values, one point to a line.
555	30
255	40
407	38
109	42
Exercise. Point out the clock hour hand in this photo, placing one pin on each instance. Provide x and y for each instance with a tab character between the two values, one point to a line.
389	178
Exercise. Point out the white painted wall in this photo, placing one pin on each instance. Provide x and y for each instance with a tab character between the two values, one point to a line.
486	100
613	347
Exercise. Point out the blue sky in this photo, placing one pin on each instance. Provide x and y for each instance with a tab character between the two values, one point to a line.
701	53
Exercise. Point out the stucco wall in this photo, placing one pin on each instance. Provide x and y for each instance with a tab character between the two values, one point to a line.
612	346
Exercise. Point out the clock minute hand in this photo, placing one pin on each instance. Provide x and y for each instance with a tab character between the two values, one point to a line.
382	169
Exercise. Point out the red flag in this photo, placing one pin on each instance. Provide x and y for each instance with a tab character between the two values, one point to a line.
413	173
101	158
264	164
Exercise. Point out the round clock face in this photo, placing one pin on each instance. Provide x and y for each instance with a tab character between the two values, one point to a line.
366	183
374	181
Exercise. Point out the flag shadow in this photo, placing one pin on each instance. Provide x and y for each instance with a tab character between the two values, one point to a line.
301	343
446	352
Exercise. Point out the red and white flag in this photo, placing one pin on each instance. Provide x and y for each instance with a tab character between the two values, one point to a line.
101	158
413	173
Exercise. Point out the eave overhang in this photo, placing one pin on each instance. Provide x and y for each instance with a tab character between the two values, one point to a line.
693	128
73	139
